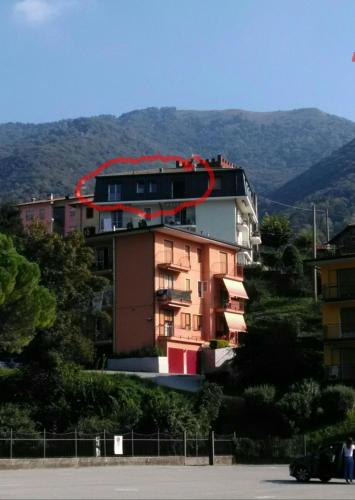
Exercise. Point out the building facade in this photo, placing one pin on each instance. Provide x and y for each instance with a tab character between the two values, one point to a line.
61	215
176	290
337	267
229	214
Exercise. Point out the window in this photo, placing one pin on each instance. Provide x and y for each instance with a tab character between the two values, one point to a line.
168	281
42	213
188	284
197	322
72	212
114	192
168	323
168	251
186	321
187	254
217	186
223	258
101	258
117	219
29	214
201	288
89	212
153	187
199	255
140	188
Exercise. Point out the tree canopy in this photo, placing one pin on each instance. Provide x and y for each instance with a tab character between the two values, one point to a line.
25	305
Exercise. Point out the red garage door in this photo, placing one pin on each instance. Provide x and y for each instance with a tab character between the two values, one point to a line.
191	362
176	360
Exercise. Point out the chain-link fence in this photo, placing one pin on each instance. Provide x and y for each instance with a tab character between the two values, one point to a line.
134	444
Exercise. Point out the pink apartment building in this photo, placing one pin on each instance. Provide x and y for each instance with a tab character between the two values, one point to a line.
176	290
60	214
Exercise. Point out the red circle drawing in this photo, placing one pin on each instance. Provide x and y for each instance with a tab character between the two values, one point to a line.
186	164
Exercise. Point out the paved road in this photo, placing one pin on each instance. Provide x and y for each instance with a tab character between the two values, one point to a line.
170	482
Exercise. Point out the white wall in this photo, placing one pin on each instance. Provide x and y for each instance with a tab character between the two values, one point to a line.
218	219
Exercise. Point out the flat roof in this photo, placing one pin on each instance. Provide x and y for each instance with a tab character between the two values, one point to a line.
168	229
165	170
330	259
48	200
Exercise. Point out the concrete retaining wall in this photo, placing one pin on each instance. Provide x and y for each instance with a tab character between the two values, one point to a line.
50	463
158	364
215	358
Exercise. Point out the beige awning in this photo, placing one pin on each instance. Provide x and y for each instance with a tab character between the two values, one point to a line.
235	322
235	288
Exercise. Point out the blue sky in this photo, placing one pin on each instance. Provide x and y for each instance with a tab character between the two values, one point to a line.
69	58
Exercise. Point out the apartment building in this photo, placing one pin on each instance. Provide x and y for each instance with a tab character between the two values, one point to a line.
60	214
174	289
229	214
337	266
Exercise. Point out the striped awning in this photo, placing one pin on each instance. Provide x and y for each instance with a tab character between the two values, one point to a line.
235	322
235	288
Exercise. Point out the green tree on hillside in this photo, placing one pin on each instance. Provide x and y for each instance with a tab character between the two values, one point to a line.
25	305
66	265
275	230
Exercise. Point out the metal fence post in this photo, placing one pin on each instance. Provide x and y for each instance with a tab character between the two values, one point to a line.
44	443
104	443
185	444
158	443
11	443
76	443
305	444
132	442
211	448
196	444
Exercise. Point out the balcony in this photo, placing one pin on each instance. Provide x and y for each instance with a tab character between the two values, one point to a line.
336	331
334	291
231	306
169	297
221	270
345	371
255	238
335	250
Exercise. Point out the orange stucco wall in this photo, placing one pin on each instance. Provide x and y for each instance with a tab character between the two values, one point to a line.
134	292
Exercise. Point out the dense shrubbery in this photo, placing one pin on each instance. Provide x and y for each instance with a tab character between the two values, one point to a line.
336	401
69	398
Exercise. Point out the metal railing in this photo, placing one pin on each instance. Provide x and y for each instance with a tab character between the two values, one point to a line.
334	291
233	305
234	270
344	371
170	294
339	331
102	444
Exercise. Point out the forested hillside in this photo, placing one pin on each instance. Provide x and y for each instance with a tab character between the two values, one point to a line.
273	147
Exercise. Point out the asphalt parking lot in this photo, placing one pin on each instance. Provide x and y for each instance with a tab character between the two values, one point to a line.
165	482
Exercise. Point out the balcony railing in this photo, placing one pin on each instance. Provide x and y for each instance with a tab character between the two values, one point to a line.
233	305
334	291
335	251
339	331
344	371
172	295
234	270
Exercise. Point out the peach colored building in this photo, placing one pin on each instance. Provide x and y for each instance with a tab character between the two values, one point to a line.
60	214
176	290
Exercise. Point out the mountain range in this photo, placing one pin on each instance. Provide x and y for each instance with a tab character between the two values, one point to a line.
289	156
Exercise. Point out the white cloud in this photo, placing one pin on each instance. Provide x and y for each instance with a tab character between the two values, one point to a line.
37	12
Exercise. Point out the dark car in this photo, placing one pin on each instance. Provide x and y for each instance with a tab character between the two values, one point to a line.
325	464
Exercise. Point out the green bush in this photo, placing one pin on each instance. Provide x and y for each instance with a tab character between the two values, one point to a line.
218	343
260	395
16	417
336	401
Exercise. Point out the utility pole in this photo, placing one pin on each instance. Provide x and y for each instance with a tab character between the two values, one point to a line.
327	224
315	252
